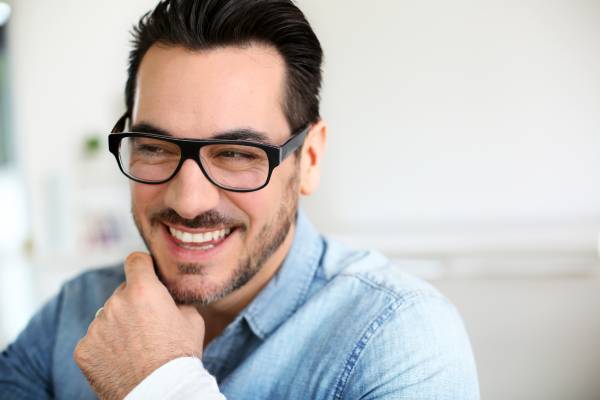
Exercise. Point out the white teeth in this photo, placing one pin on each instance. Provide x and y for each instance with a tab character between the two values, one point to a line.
188	237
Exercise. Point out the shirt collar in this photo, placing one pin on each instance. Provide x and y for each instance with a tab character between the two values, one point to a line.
288	289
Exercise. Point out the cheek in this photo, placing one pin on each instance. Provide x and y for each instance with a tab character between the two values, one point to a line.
260	206
145	197
254	204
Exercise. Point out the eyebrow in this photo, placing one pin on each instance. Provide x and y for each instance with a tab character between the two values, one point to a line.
234	134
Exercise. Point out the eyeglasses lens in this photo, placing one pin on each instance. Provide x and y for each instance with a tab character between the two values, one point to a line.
233	166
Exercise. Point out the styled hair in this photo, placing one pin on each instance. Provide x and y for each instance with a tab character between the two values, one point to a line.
208	24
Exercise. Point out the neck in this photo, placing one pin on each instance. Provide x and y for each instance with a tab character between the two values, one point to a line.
221	313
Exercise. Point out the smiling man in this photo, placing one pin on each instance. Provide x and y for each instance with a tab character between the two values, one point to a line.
220	222
238	295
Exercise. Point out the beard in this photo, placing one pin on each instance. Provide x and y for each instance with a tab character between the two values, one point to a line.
268	240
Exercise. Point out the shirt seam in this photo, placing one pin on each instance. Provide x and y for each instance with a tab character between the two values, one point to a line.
391	291
394	293
373	327
356	352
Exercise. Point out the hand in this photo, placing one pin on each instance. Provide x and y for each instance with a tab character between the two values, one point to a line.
139	329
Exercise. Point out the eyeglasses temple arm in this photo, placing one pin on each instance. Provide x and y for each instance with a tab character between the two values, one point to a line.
120	125
291	145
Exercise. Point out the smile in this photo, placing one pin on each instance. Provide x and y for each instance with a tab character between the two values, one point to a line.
200	240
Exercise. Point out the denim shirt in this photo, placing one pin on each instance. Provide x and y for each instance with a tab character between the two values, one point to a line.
333	323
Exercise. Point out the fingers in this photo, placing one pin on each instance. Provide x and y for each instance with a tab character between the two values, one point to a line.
119	289
139	267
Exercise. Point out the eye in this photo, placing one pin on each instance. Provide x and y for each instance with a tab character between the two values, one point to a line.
234	154
149	149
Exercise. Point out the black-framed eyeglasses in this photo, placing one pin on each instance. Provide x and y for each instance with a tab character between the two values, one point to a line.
233	165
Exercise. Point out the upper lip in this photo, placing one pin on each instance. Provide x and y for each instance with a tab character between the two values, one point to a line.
198	230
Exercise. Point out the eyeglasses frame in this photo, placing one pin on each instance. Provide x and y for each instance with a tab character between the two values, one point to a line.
190	149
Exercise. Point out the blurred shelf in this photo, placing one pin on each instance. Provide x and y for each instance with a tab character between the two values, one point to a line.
541	250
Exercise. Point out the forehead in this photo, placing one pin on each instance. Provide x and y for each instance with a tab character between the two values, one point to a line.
196	93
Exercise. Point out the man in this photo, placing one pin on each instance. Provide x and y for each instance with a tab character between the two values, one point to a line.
239	296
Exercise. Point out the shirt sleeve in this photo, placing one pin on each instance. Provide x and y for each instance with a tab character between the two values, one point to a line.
418	350
25	364
184	378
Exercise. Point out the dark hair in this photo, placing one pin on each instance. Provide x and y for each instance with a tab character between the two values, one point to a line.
207	24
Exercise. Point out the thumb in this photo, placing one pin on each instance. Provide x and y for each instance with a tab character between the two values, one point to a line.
139	267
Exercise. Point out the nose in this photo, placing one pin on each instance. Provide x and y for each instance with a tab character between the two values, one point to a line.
190	193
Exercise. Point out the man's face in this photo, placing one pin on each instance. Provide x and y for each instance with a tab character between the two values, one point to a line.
191	94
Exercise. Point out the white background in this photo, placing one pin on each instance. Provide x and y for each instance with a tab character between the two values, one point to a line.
464	142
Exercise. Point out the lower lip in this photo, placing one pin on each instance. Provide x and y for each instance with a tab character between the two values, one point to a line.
191	255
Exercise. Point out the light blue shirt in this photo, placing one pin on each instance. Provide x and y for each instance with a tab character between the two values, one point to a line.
333	323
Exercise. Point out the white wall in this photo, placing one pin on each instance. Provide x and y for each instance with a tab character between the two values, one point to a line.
69	67
534	339
463	138
459	113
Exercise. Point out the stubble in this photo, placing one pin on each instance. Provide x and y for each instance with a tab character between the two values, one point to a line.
267	242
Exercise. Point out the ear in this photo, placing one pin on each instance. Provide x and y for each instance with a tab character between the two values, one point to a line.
311	157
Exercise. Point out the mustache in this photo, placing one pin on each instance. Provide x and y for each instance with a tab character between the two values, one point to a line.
207	220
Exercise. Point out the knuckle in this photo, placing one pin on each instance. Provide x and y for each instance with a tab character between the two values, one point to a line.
112	303
137	290
80	351
90	329
119	289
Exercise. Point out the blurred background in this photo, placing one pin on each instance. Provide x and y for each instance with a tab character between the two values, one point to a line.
464	143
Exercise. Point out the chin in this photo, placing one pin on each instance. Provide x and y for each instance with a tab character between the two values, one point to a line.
196	289
198	284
